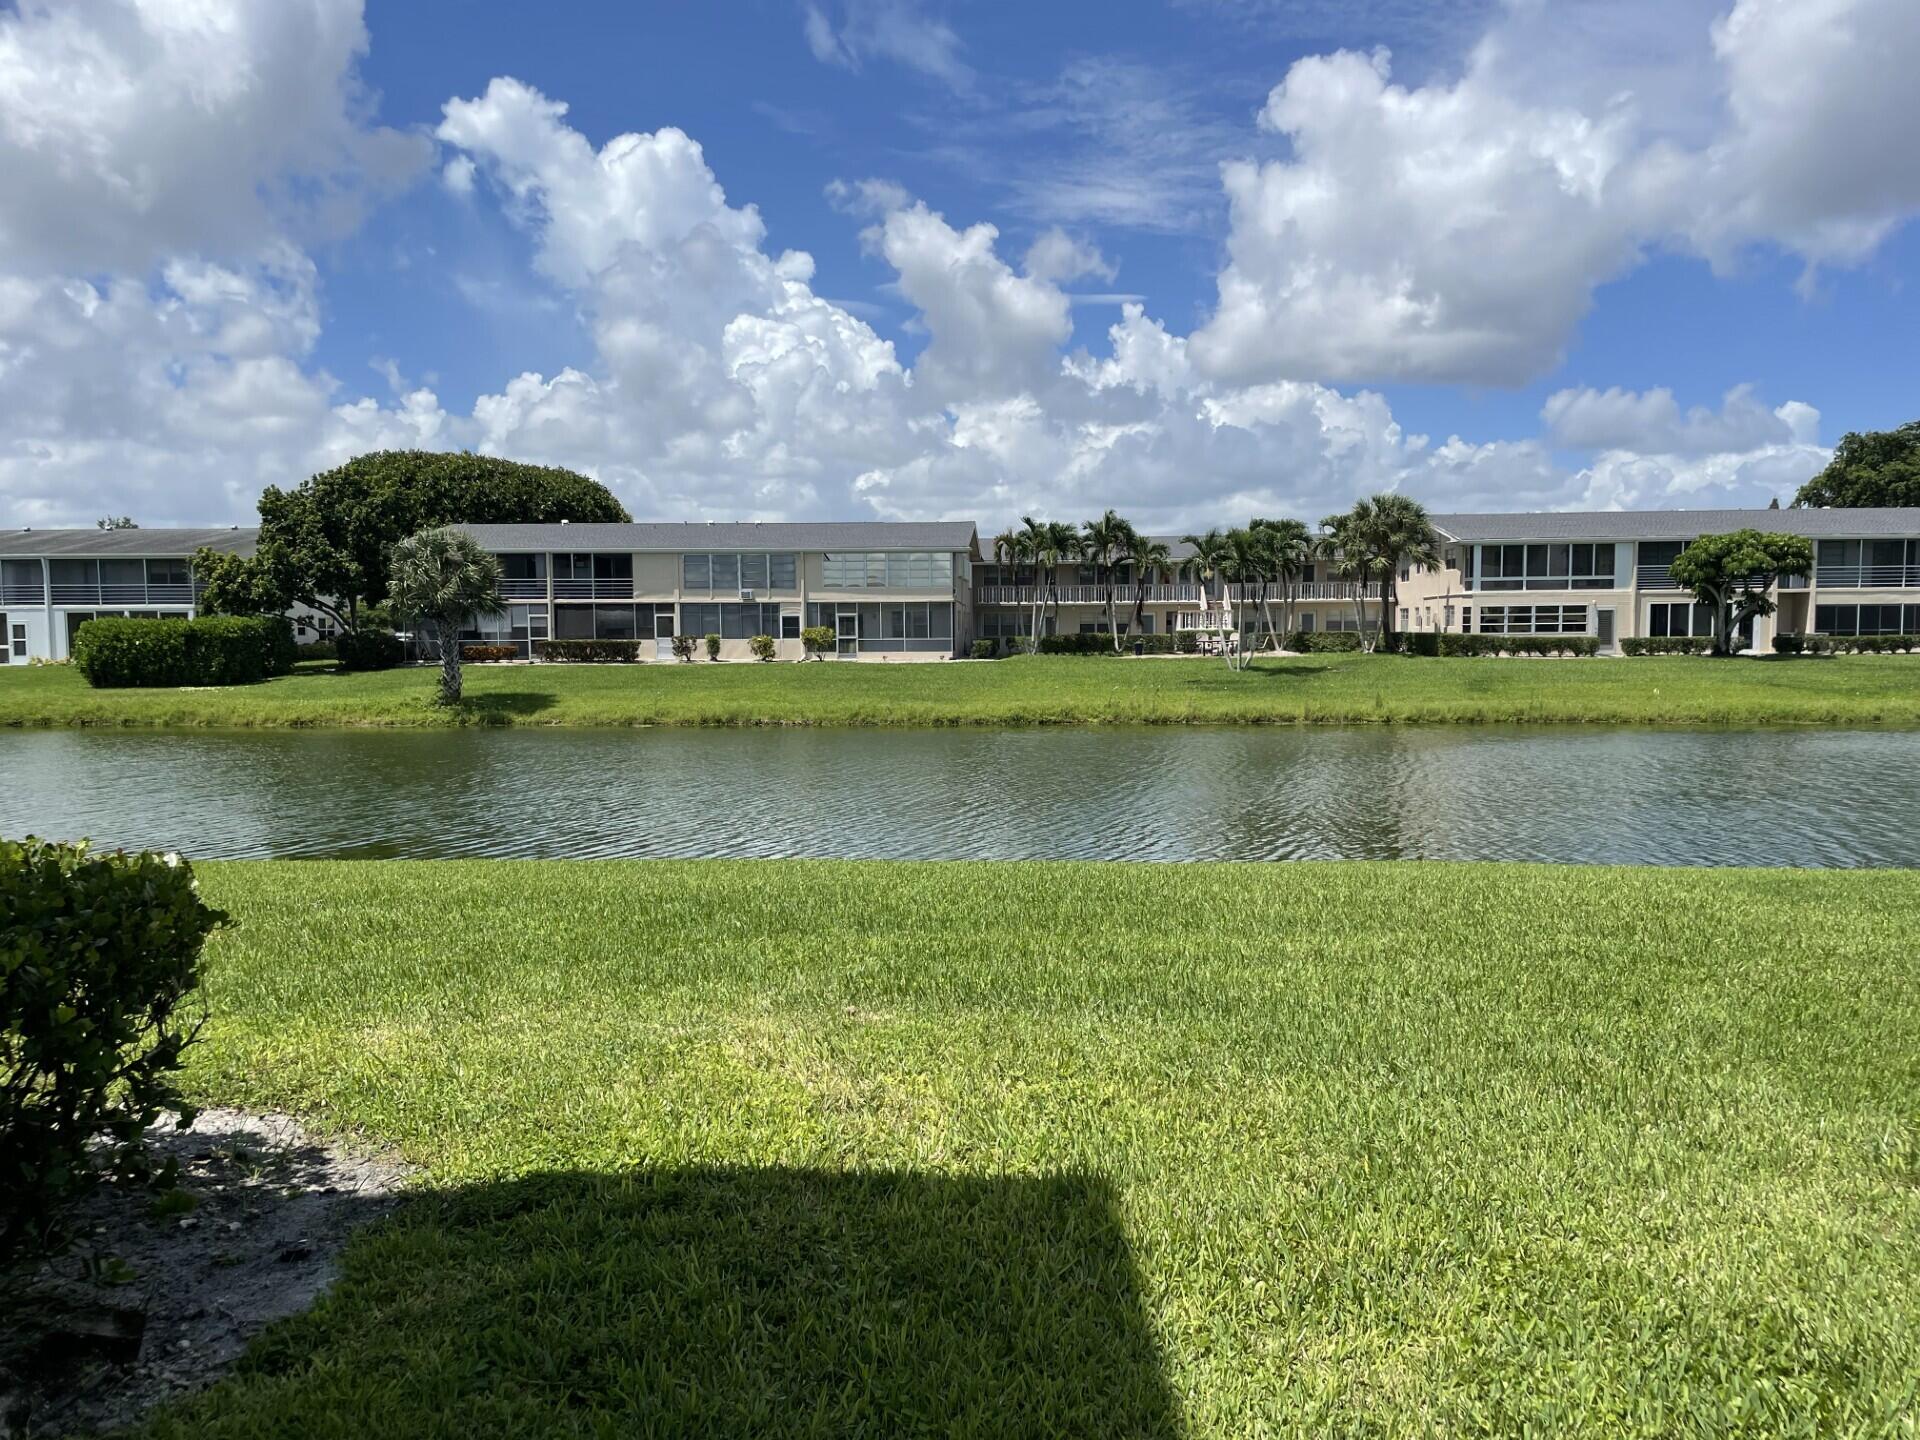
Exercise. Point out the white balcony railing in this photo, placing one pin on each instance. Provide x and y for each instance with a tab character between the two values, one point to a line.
524	589
621	589
31	594
111	594
1182	594
1868	577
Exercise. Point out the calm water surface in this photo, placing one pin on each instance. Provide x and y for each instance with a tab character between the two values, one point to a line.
1682	797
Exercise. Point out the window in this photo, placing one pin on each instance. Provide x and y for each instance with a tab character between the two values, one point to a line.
790	625
1533	620
736	572
884	570
1679	618
1546	567
17	640
523	567
168	572
1866	619
730	622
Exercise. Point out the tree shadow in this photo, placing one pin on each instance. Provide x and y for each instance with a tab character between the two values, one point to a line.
716	1301
501	708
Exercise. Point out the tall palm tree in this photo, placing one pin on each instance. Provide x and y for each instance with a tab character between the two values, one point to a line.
1103	542
1210	555
1391	530
1009	547
440	579
1349	558
1146	555
1292	548
1249	564
1055	543
1036	544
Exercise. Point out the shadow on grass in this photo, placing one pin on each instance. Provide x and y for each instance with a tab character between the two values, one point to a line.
723	1302
500	708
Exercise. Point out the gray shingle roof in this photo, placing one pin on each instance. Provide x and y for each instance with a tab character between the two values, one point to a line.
126	544
1675	524
731	535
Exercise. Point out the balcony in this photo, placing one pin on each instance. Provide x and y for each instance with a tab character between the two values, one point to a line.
524	589
163	594
1656	577
619	589
1310	590
1089	594
1868	577
29	594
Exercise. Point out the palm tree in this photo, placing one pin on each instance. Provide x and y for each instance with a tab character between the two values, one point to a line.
1391	530
1103	542
1062	544
1009	546
440	579
1146	555
1348	557
1249	564
1210	554
1292	547
1035	537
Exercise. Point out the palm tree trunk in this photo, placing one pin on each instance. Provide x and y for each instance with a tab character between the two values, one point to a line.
449	663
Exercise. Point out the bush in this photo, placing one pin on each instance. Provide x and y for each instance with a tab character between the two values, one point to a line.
318	650
1457	645
761	646
683	647
818	639
1666	645
985	649
369	649
212	650
1847	644
481	654
1790	644
1323	642
1102	644
97	954
712	643
591	651
1187	642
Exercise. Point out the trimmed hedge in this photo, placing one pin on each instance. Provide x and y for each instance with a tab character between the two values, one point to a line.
369	649
1427	643
1846	644
985	649
1102	644
1666	645
100	955
592	651
762	647
318	650
481	654
214	650
1323	642
1187	642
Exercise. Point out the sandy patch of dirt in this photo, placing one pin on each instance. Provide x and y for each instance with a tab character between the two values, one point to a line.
158	1300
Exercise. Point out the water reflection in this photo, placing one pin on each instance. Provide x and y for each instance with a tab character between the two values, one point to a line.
1829	798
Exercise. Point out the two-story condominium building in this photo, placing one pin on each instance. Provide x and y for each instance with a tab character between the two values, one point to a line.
54	581
1176	598
886	589
1605	574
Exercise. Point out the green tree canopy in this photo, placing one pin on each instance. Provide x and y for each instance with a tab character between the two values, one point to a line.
441	579
325	543
1869	467
1731	575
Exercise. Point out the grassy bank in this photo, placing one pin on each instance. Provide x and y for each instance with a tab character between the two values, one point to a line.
786	1147
1038	690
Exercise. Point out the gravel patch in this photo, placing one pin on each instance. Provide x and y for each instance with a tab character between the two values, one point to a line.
160	1299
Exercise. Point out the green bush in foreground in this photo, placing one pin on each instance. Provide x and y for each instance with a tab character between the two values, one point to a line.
712	643
98	955
1846	644
984	649
1394	1150
369	649
212	650
1666	644
594	651
762	647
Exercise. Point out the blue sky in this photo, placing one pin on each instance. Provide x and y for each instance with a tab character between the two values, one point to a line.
1563	233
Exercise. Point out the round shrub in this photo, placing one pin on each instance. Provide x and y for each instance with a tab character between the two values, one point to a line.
984	649
713	646
482	654
98	955
761	646
369	649
212	650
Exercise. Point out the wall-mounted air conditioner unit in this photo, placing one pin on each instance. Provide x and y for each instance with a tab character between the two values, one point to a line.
745	593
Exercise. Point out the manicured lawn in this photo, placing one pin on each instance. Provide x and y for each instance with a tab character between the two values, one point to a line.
864	1149
1317	689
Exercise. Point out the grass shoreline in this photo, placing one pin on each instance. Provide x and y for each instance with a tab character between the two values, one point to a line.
1029	691
816	1147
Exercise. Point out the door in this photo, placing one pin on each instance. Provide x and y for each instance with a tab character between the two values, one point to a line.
1603	628
663	632
847	632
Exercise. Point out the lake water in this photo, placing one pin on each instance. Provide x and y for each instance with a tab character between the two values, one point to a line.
1680	797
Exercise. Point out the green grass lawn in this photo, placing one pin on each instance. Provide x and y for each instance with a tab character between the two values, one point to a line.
1314	689
839	1149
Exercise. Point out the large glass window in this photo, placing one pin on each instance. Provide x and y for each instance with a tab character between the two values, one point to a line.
887	570
1866	619
726	571
167	572
1533	620
524	567
696	572
1681	618
1546	567
756	571
729	622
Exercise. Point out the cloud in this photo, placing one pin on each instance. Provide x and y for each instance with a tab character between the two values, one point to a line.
713	380
1057	256
896	30
133	130
1457	231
